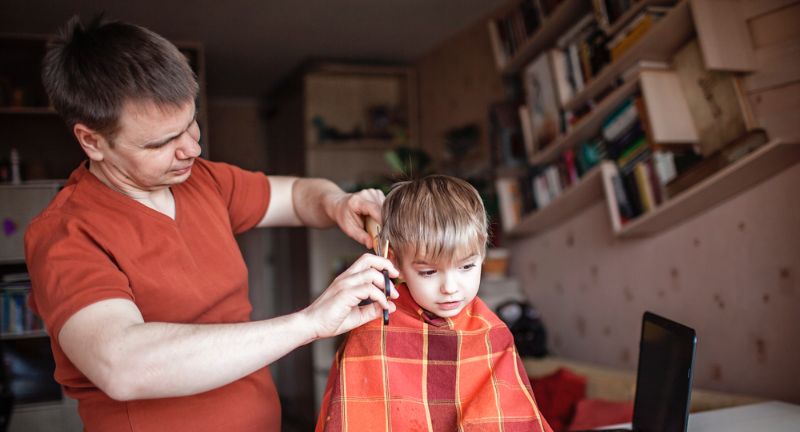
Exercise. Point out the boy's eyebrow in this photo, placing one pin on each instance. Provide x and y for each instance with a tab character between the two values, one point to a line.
422	261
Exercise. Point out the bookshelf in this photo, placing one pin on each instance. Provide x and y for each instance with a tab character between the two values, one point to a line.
645	69
48	154
659	44
767	161
30	125
587	126
343	96
586	192
547	33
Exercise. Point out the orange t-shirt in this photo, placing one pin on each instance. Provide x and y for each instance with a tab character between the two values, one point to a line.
93	243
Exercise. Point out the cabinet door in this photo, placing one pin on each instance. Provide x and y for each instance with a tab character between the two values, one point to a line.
18	206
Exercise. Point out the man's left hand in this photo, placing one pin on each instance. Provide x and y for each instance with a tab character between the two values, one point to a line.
348	211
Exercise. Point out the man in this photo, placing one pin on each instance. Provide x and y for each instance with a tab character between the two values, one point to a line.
134	265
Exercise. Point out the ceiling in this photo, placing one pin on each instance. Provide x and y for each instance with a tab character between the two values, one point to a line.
251	45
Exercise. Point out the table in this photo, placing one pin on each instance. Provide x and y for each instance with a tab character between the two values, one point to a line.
772	416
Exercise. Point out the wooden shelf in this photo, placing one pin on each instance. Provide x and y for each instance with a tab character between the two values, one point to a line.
355	144
579	196
551	28
28	110
659	44
752	169
588	126
632	11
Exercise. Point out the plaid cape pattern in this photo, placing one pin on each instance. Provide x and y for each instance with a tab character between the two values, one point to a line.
426	373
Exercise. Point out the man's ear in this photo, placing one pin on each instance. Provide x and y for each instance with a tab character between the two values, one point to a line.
91	141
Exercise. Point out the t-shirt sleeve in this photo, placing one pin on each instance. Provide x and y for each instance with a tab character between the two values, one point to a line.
246	193
69	270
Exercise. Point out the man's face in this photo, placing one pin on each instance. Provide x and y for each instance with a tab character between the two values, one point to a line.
443	288
155	147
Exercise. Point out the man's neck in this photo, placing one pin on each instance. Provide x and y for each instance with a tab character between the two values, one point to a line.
160	200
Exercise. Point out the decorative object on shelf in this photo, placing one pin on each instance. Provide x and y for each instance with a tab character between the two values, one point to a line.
495	265
714	99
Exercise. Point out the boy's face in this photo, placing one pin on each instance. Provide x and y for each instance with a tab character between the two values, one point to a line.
442	288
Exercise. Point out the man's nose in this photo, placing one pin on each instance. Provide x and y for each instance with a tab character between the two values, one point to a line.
189	147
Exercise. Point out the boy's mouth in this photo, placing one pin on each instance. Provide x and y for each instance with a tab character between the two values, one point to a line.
449	305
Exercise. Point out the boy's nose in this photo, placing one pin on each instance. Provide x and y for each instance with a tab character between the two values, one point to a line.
448	287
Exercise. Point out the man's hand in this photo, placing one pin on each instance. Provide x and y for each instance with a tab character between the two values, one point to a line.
349	209
336	311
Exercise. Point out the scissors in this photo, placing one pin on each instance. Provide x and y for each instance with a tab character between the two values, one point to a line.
374	231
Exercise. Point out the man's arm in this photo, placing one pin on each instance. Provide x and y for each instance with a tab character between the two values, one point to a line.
319	203
129	359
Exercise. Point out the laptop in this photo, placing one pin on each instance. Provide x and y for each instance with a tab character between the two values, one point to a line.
664	376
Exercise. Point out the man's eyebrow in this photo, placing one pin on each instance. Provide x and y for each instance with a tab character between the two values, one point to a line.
161	142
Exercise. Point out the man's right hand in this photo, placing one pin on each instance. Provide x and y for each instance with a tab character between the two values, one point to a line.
337	310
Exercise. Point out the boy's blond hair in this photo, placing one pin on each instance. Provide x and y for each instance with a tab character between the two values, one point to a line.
438	218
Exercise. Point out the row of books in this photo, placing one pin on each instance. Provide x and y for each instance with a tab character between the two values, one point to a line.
15	316
554	77
540	185
510	31
645	169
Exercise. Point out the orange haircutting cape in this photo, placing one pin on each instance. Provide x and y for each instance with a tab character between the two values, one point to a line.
426	373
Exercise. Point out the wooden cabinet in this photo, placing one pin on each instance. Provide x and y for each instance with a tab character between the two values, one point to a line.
335	121
46	147
48	153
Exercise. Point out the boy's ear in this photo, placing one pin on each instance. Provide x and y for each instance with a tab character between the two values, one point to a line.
393	258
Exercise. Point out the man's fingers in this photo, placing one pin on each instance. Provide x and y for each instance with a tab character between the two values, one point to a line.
376	262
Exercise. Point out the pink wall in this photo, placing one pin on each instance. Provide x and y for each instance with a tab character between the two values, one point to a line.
732	273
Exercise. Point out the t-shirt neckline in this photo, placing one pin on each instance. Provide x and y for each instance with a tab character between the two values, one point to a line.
129	202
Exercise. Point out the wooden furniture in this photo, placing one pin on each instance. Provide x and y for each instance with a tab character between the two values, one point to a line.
28	123
726	45
325	121
48	154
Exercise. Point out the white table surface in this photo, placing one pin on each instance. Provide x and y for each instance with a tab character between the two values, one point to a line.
770	416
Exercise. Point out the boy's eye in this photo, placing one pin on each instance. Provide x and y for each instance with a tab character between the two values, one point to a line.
468	266
426	273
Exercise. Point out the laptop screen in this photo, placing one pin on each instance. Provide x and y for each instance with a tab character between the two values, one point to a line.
664	377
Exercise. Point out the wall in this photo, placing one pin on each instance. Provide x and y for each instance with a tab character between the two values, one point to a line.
733	272
237	136
457	82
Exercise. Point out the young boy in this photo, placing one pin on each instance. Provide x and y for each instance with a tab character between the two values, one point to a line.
445	362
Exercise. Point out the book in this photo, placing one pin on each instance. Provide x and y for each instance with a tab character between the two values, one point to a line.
510	202
644	187
620	121
527	130
542	101
642	27
500	54
505	135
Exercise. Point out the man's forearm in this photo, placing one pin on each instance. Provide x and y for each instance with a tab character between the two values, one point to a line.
155	360
313	200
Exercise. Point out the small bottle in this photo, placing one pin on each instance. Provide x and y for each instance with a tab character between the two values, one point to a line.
16	176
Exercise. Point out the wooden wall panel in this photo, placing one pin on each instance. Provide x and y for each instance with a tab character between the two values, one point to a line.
458	81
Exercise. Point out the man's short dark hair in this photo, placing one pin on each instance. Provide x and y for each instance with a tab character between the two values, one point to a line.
90	72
